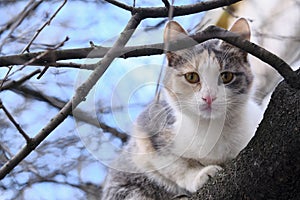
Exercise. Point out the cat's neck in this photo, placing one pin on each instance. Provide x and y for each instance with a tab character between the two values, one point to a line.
215	139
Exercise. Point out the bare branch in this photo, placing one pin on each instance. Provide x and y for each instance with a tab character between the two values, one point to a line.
43	72
280	65
116	51
32	60
42	55
157	12
143	14
15	123
26	48
120	5
13	83
167	4
211	32
32	5
57	103
6	76
79	96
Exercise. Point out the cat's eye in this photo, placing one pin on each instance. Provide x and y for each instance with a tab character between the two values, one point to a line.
192	77
227	77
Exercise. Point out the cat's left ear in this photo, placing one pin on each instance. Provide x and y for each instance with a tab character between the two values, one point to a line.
241	27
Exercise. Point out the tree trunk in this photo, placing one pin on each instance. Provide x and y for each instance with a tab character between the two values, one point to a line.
269	167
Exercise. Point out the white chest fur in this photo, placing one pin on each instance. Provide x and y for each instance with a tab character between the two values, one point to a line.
212	141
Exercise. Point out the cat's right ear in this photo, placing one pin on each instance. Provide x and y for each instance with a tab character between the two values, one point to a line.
173	31
241	27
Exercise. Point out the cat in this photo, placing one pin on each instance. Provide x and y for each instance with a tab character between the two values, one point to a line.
205	116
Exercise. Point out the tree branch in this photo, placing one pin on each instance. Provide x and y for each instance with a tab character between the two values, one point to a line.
158	12
269	167
79	96
138	15
15	123
31	6
277	63
211	32
26	48
120	5
167	4
101	51
32	60
13	83
80	114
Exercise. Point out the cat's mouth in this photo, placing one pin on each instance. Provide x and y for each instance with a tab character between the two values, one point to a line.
209	111
207	108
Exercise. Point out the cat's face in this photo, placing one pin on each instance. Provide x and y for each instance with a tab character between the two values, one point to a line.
208	80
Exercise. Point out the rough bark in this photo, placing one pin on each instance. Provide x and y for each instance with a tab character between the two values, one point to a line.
269	167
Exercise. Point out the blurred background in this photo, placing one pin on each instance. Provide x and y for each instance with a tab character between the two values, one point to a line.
72	162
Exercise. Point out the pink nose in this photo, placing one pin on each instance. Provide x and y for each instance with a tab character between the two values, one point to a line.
209	99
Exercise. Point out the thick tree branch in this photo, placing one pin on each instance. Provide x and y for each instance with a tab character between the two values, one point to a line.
269	167
101	51
138	15
211	32
280	65
157	12
32	60
79	96
167	4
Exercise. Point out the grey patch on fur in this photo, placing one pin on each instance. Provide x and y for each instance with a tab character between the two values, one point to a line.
122	185
155	121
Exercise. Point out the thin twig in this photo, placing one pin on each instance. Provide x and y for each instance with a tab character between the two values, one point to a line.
79	96
13	83
41	56
57	103
277	63
167	4
145	50
26	48
22	16
6	76
121	5
31	6
43	72
114	52
157	12
18	127
210	33
166	46
144	13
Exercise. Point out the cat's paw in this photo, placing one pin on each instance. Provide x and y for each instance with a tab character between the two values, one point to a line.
203	176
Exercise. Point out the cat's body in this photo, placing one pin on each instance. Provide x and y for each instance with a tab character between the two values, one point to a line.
204	117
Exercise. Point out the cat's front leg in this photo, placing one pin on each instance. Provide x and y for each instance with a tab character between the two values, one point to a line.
203	176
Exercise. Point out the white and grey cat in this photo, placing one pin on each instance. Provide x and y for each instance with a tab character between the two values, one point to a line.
206	116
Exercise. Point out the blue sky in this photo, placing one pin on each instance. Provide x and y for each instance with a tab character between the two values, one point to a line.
129	83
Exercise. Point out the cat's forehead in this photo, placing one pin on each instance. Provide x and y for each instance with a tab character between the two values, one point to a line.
211	54
200	56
